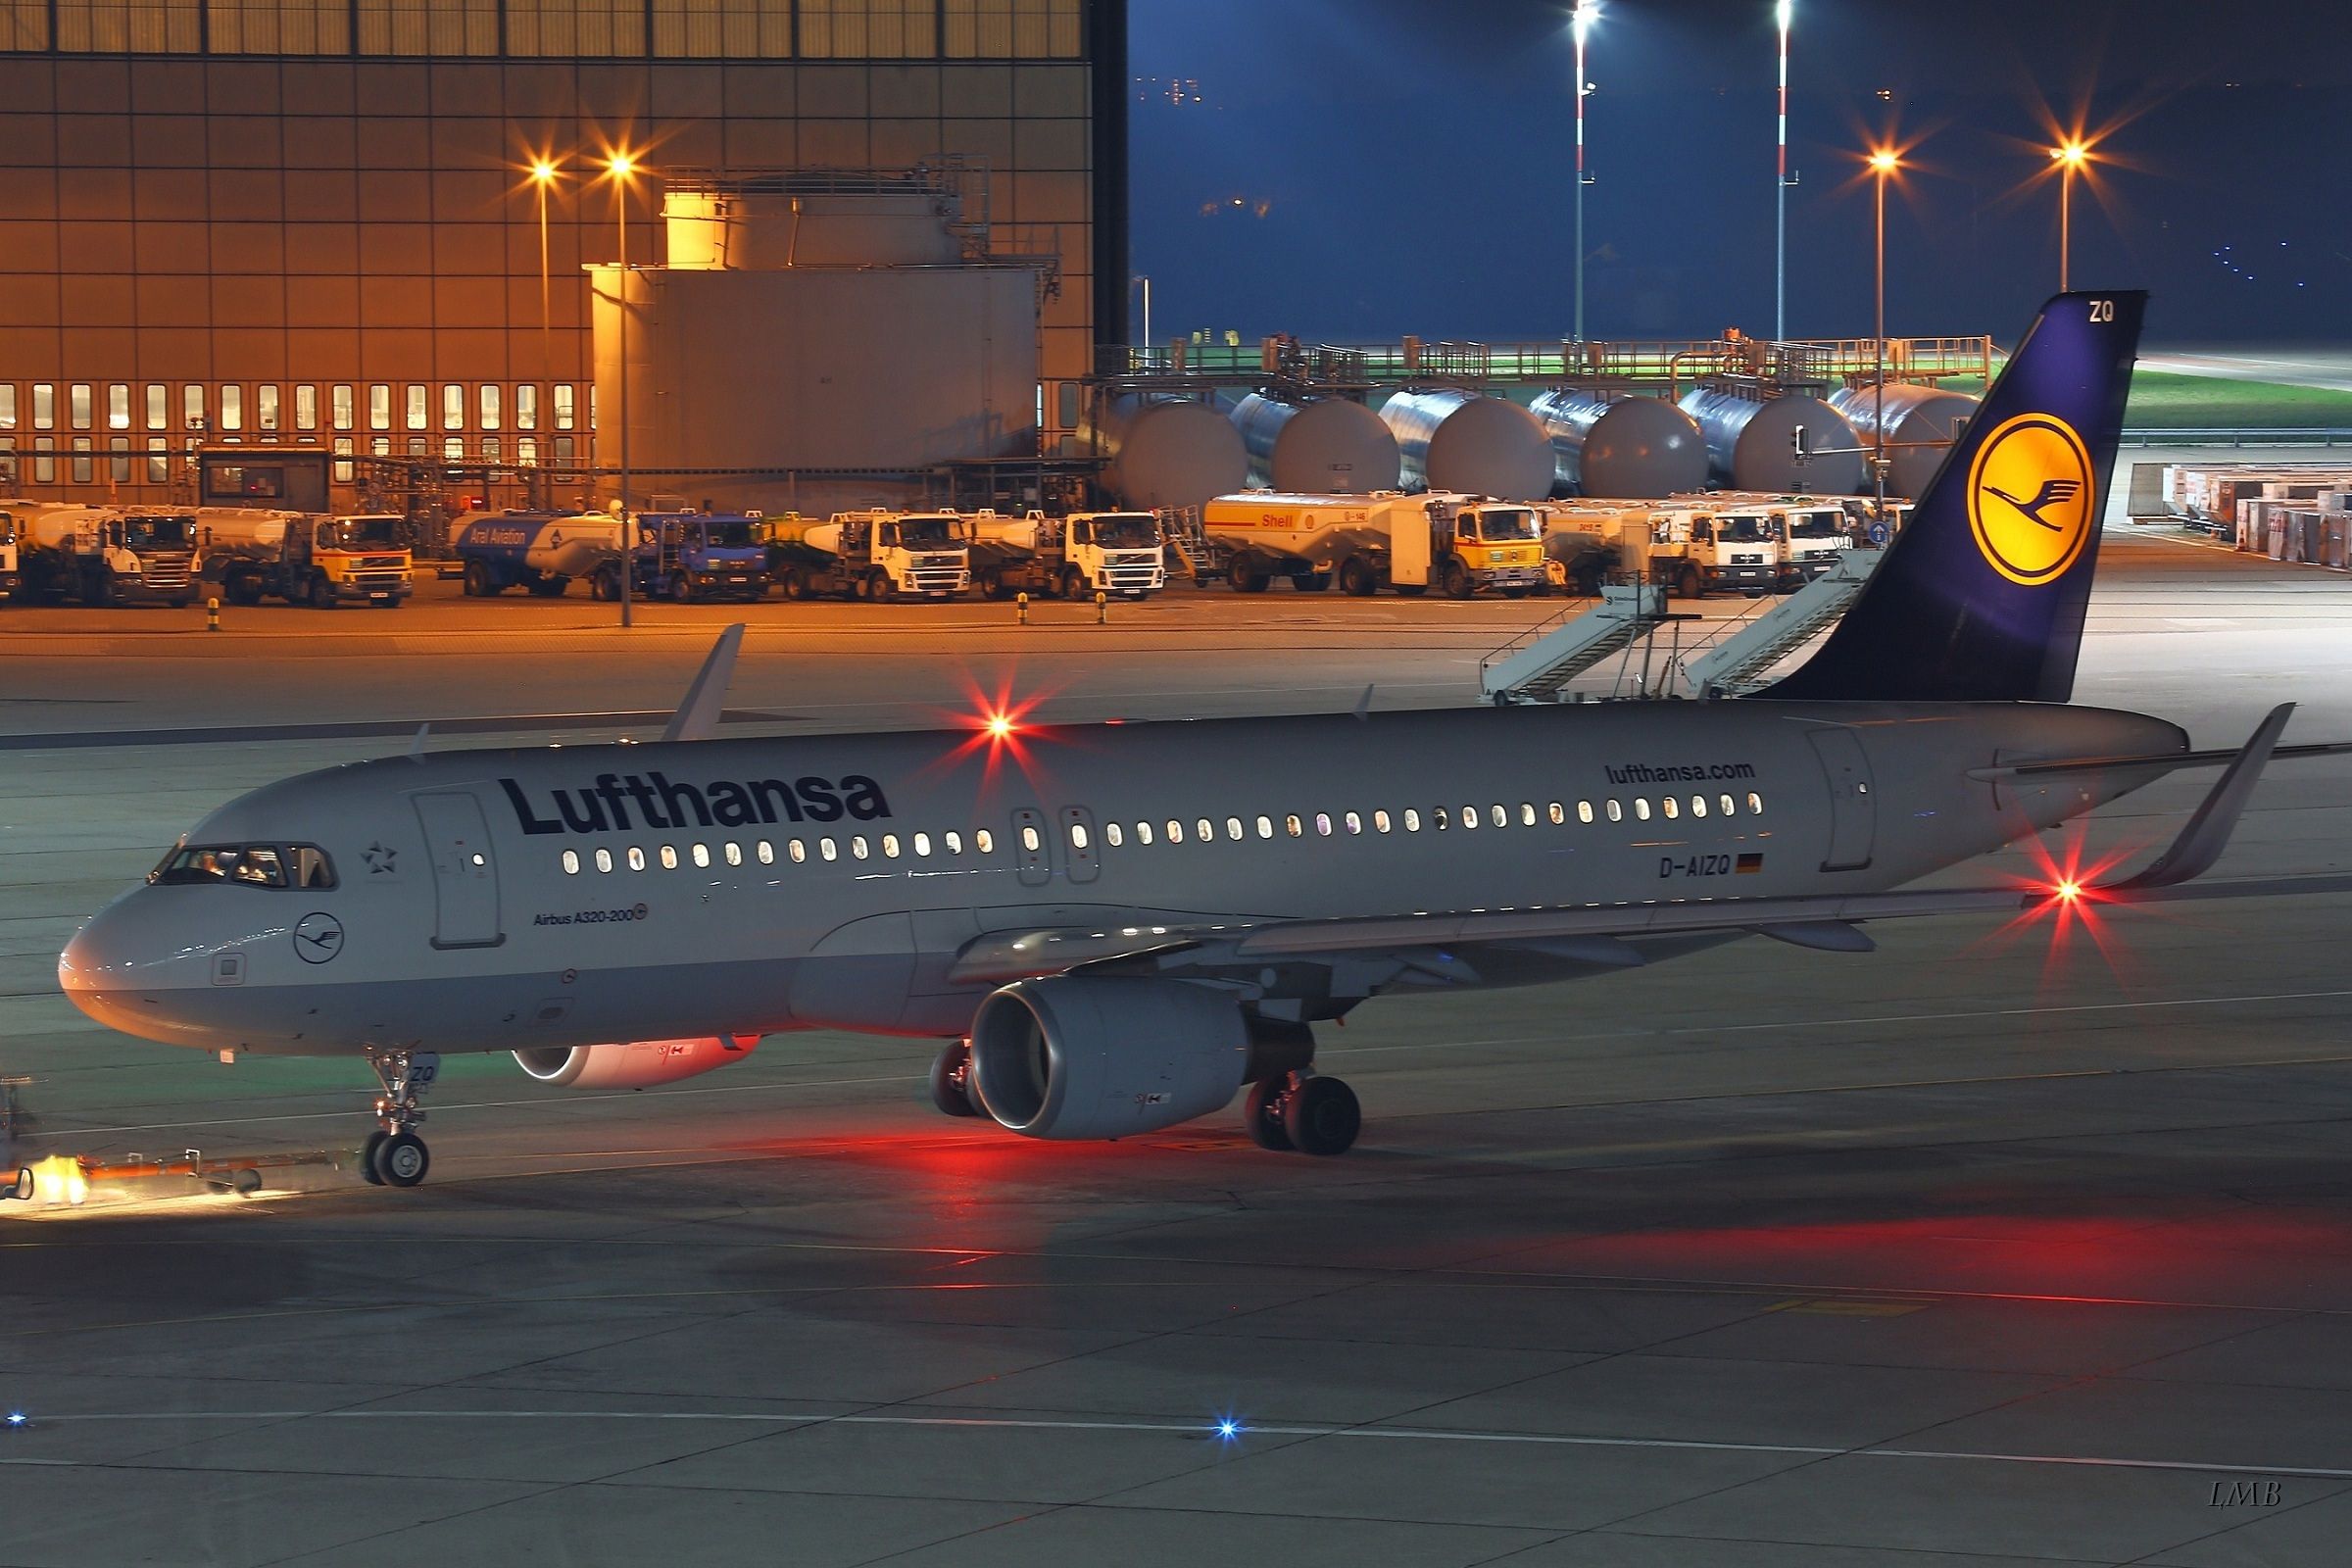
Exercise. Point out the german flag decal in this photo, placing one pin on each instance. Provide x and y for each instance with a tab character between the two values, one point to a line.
1749	863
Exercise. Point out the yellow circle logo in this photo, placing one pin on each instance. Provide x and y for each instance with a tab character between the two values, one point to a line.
2030	498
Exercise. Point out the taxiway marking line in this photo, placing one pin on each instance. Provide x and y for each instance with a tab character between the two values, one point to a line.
1197	1430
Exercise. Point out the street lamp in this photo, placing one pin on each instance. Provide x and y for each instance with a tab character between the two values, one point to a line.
620	166
1147	285
1884	161
1580	22
1785	12
543	175
2069	156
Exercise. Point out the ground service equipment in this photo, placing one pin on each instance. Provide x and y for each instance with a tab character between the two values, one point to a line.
10	580
541	551
100	556
1122	553
1580	551
302	558
690	556
1460	543
1812	530
869	554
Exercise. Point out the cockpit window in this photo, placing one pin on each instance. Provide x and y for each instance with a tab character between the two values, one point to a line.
253	865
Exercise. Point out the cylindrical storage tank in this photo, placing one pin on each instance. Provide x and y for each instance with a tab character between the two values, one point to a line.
1168	452
1752	445
1460	441
1922	423
1628	449
1331	446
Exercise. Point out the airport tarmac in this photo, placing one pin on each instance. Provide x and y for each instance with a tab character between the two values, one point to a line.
1999	1247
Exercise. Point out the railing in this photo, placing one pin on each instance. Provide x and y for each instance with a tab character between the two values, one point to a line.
2221	435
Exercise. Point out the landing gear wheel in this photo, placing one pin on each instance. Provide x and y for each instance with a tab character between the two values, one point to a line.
367	1173
952	1079
1321	1116
400	1160
1262	1114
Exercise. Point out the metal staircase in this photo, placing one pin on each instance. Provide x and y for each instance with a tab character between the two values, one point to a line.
1540	665
1736	663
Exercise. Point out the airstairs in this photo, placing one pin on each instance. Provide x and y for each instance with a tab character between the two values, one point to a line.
1736	663
1540	665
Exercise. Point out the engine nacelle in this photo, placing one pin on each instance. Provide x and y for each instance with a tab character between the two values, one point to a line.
1085	1057
632	1063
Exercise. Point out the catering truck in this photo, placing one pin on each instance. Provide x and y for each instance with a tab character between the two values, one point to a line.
540	551
105	556
1460	544
323	561
869	554
1120	553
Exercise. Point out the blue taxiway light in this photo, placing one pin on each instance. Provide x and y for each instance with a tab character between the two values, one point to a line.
1228	1429
16	1418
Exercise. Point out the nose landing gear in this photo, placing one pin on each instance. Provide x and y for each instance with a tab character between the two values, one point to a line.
395	1157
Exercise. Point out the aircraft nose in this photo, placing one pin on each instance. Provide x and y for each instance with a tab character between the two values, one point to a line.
123	971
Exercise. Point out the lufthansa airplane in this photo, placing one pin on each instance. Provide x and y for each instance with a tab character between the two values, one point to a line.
1116	929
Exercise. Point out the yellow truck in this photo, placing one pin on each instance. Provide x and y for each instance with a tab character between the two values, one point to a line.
1459	544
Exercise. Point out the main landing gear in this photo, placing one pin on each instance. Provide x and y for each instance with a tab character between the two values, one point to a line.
395	1157
1304	1112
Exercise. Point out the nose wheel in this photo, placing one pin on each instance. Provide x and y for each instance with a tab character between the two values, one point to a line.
395	1157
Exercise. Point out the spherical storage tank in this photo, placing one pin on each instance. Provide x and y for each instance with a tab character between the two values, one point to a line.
1922	423
1751	446
1475	445
1331	446
1628	449
1168	452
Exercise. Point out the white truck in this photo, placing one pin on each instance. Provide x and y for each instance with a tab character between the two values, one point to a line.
1460	544
101	556
1812	530
1118	553
870	556
1584	544
323	561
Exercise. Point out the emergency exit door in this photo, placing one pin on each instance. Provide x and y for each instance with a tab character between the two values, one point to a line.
1853	809
465	872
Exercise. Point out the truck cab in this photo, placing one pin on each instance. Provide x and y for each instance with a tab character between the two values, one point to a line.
1117	552
1479	543
1812	535
362	557
1699	551
687	556
143	557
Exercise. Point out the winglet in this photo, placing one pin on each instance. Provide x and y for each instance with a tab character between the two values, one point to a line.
417	746
698	716
2207	833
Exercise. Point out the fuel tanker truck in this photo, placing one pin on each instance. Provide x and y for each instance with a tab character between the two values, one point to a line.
871	555
541	552
323	561
1122	553
102	556
1457	543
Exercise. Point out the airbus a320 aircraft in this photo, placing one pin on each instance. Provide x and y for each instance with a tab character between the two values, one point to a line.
1116	928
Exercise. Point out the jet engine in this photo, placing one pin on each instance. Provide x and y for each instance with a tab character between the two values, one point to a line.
1088	1056
632	1063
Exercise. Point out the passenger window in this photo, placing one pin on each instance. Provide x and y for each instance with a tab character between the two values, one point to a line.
1502	816
923	844
954	842
768	852
636	859
701	855
1265	827
1412	820
1202	831
1527	813
1323	825
1756	803
1616	812
1699	806
890	846
604	859
1469	816
983	841
1030	840
1233	827
669	857
826	849
858	845
1380	821
796	849
1642	807
1559	816
1143	832
572	863
1440	819
734	854
1729	809
1293	827
1671	810
1077	835
1583	811
1113	834
1175	831
1356	823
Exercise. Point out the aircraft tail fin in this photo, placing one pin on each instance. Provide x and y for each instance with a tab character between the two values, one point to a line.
1982	598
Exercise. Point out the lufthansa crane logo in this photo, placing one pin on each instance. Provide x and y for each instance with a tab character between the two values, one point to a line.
318	938
2031	502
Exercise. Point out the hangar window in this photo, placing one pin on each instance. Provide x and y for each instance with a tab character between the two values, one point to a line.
490	407
734	854
265	408
1113	834
669	857
701	855
636	859
117	405
983	842
1380	821
826	849
159	406
858	847
77	405
954	842
923	844
572	863
1616	812
44	405
604	859
563	404
379	406
305	408
191	407
1583	811
232	407
890	846
419	406
452	405
1642	807
1756	803
527	407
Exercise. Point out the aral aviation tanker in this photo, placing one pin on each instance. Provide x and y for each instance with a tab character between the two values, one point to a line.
1116	929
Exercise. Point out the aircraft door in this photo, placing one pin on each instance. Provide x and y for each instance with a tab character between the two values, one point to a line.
465	870
1853	809
1078	841
1029	845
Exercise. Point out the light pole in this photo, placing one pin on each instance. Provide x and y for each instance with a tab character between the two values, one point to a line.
543	175
621	164
1786	12
1883	163
1580	23
1146	285
2069	156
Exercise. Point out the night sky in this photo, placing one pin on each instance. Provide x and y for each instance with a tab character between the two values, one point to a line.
1355	170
